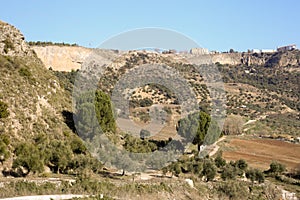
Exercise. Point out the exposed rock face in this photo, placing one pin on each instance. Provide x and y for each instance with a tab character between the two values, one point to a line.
287	58
254	59
62	58
277	59
227	58
12	41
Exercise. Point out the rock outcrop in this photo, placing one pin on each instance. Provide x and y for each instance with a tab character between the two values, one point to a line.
12	41
62	58
288	58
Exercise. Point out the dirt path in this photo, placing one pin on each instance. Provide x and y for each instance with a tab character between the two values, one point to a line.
216	146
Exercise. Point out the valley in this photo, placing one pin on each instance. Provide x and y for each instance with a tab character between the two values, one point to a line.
48	132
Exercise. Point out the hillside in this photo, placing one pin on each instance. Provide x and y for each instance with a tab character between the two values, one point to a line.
29	89
38	115
40	152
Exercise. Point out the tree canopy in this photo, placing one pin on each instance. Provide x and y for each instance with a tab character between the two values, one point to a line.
195	127
94	111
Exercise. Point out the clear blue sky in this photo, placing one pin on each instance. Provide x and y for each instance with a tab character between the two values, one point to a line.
216	25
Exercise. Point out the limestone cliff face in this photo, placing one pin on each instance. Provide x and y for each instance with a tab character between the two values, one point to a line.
227	58
66	58
277	59
288	58
12	41
62	58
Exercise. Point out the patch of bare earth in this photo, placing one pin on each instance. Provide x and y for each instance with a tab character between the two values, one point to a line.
259	153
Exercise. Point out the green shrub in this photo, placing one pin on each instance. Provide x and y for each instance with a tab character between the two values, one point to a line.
4	151
77	145
241	164
29	156
8	45
209	170
255	175
24	72
219	161
229	172
4	113
276	168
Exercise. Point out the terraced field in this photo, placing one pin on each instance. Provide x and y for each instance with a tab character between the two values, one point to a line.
259	153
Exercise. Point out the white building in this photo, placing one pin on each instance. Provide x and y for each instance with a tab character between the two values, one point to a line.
287	48
268	51
199	51
263	51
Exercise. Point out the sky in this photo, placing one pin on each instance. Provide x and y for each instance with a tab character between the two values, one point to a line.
213	24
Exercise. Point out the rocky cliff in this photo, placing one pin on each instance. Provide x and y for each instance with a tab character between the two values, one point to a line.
62	58
12	41
66	58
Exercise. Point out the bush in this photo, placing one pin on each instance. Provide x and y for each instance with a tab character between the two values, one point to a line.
219	161
276	168
229	172
77	146
255	175
30	157
4	152
59	154
146	102
209	170
241	164
8	45
4	113
24	72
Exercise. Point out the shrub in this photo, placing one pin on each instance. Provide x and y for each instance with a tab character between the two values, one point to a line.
4	152
219	161
77	146
229	172
146	102
4	113
8	45
30	157
241	164
209	170
255	175
276	168
24	72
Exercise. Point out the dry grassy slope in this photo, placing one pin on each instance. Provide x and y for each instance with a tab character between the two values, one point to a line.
34	96
251	92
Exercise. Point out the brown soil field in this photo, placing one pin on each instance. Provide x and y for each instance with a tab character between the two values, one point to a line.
259	153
